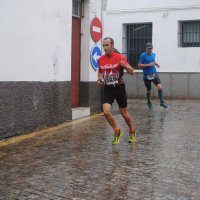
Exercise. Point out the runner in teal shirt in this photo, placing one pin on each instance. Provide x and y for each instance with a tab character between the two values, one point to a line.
148	64
147	58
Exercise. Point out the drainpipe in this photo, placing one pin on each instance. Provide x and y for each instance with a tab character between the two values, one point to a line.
103	10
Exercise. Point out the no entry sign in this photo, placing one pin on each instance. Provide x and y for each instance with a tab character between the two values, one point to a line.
96	29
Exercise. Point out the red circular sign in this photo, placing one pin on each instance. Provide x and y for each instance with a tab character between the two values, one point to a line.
96	29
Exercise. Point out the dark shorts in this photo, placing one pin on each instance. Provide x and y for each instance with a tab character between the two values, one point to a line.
156	81
117	92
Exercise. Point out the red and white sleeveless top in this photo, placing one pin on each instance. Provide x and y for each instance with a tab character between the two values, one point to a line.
111	69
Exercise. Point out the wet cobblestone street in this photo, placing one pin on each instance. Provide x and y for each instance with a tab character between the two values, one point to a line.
79	162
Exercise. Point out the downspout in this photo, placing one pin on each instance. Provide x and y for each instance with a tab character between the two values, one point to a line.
103	11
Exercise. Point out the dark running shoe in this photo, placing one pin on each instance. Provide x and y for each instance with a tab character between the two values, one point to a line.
163	104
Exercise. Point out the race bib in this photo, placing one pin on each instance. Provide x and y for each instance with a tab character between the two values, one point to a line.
111	79
151	76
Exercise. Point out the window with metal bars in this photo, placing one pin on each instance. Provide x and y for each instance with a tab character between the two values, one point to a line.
77	8
189	33
134	42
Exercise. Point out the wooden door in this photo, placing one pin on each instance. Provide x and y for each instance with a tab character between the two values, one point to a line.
75	68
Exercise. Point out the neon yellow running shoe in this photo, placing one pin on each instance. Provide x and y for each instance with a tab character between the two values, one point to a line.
117	137
132	137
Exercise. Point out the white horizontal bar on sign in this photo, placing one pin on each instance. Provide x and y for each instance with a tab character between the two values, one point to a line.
96	29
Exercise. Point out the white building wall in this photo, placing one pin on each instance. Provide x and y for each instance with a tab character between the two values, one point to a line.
35	64
145	4
164	16
35	38
93	8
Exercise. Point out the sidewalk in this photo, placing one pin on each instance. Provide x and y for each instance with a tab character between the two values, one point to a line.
77	161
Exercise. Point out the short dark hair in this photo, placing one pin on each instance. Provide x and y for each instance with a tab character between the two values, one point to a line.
111	40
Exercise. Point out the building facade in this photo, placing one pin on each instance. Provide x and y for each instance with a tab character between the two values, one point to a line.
46	75
173	28
47	62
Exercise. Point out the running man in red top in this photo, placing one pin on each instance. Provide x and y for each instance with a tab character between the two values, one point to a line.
110	76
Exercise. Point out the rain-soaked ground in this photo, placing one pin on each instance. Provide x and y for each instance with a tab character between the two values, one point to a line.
78	161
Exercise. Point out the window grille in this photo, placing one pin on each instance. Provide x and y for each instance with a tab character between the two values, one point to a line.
134	42
189	33
77	8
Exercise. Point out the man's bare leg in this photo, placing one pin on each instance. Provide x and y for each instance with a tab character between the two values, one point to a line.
109	117
128	120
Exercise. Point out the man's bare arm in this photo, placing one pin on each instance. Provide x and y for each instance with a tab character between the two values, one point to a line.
140	65
127	67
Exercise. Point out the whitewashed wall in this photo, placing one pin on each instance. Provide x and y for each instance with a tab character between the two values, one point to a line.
90	94
93	8
164	16
145	4
35	64
35	40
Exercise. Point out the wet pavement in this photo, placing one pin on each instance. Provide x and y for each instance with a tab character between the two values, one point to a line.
78	162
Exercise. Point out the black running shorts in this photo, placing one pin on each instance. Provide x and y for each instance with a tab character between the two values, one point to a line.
117	92
156	81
